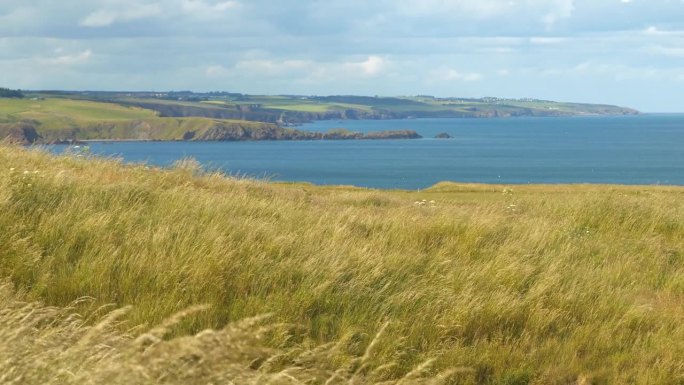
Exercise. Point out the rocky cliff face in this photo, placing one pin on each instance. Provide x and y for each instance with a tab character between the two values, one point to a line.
180	129
237	132
397	134
22	133
234	132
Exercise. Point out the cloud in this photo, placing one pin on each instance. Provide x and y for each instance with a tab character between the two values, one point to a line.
204	8
69	59
466	77
99	18
499	15
667	51
447	47
560	9
452	75
481	9
214	71
372	66
303	69
545	40
273	67
108	16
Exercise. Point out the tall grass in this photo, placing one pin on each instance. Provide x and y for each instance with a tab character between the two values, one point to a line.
499	284
50	345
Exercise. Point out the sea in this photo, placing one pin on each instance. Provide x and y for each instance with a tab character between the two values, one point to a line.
645	149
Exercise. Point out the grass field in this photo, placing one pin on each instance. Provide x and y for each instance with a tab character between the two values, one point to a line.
61	119
71	116
57	111
484	284
297	104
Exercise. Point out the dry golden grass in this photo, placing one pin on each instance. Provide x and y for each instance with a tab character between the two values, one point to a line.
487	285
50	345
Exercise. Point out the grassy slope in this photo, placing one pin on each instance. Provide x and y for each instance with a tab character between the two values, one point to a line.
57	112
62	118
421	106
512	285
303	105
68	119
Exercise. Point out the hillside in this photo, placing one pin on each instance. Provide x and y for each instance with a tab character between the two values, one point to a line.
494	284
50	120
294	109
300	109
49	117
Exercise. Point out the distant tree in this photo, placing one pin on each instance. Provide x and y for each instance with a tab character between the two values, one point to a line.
8	93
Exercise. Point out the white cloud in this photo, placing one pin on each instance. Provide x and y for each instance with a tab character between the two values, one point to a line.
454	75
108	16
481	9
482	47
652	30
561	9
273	67
99	18
543	40
302	69
667	51
70	59
546	12
214	71
615	71
207	9
372	66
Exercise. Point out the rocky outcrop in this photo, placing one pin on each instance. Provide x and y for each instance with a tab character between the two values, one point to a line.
237	132
22	133
443	135
397	134
180	129
243	133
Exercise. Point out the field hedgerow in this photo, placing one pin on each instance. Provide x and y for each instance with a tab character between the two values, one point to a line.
472	284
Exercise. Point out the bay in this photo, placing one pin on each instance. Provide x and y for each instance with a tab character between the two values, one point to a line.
643	150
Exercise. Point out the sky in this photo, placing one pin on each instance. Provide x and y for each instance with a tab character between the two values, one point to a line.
624	52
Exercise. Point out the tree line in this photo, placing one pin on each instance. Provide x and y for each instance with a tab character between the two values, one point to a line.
8	93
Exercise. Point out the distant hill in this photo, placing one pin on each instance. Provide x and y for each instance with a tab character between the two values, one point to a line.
52	120
294	109
57	116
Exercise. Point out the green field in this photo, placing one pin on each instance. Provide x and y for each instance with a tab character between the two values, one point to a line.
61	119
290	104
478	284
69	116
55	112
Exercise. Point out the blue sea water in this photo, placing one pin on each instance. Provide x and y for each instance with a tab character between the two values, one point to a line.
645	150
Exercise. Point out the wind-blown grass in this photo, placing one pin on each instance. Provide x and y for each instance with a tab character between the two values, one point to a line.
50	345
499	284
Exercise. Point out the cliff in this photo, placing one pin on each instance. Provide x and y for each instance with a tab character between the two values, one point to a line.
178	129
21	133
